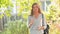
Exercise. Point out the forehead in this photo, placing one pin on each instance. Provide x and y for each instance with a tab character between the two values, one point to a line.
35	5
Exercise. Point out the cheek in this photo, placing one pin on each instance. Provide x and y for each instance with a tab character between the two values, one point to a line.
35	9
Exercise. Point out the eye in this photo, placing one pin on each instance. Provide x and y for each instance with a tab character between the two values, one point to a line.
37	6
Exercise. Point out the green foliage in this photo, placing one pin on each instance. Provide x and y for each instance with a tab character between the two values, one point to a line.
8	13
5	3
53	17
16	27
25	5
1	16
54	12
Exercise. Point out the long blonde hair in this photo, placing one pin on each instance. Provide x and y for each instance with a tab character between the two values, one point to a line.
39	11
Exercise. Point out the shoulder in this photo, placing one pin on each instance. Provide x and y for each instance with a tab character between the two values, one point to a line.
40	14
29	17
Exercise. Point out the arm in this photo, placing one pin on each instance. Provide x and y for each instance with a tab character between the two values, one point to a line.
44	25
30	21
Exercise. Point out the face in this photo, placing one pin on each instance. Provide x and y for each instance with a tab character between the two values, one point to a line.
35	9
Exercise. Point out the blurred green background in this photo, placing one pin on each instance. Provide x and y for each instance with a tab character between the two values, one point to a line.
14	15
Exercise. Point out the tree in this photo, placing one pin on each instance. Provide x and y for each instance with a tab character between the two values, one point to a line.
54	16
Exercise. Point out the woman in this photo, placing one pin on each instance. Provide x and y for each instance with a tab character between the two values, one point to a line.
35	20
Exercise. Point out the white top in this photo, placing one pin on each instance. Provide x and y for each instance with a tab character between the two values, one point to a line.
37	22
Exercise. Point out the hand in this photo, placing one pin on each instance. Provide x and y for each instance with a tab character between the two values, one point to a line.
41	28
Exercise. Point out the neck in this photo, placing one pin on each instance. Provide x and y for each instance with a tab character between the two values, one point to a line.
36	15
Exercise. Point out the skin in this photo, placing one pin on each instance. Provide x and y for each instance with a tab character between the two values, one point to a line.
35	11
35	14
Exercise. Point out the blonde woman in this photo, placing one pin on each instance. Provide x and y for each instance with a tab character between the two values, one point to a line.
35	20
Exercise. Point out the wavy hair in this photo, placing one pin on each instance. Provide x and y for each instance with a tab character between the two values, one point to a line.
39	11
